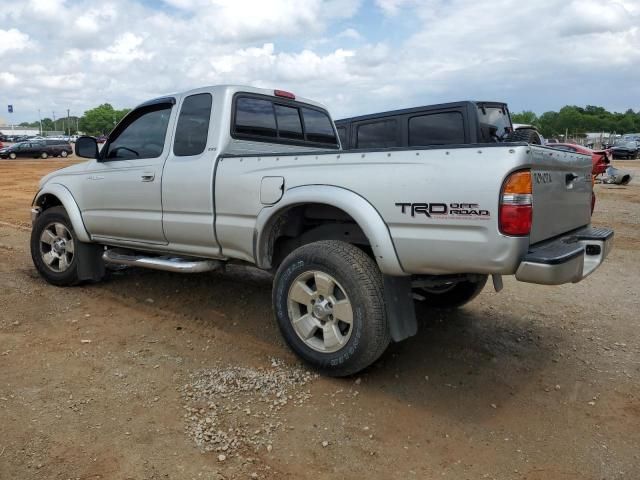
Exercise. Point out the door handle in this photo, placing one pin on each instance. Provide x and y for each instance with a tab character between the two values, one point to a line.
148	176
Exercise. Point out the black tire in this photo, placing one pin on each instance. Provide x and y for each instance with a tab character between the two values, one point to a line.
452	297
12	156
528	135
63	154
44	155
59	278
358	275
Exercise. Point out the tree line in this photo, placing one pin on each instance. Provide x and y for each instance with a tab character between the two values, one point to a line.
579	121
97	121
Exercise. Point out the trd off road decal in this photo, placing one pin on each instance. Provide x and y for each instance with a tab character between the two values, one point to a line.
444	210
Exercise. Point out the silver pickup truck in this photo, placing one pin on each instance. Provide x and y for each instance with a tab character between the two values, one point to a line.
190	182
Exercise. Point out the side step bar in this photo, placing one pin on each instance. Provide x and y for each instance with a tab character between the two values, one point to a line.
166	263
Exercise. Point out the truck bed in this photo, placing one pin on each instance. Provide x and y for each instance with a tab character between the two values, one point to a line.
469	176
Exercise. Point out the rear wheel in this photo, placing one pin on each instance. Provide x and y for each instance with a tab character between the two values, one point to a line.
328	301
451	296
44	155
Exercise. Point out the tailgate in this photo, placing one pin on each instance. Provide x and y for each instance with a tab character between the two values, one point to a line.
562	189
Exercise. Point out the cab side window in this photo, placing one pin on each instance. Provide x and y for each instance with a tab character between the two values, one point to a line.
143	134
382	134
436	129
193	125
342	133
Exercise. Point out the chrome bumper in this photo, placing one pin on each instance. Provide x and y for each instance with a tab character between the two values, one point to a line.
567	259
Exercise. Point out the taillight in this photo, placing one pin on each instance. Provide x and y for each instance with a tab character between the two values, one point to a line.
516	204
284	94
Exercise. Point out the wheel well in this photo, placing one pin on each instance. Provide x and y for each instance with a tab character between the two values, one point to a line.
303	224
47	201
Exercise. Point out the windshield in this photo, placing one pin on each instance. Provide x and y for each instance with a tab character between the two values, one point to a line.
625	143
494	122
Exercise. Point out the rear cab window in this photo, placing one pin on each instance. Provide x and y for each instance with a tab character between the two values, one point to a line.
268	119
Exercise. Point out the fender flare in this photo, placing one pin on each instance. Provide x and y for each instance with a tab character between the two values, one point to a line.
365	215
69	203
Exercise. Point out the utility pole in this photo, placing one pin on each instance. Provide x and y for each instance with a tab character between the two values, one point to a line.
68	124
10	110
54	120
40	121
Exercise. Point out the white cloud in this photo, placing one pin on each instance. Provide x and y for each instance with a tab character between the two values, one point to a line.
392	7
13	39
125	49
350	33
355	57
8	79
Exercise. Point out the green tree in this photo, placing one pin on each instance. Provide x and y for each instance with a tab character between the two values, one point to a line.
101	120
527	117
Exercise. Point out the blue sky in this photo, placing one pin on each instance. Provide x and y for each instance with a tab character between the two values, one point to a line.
355	56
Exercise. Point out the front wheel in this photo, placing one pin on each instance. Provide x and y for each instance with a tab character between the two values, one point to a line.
451	296
53	247
12	156
44	155
63	154
329	305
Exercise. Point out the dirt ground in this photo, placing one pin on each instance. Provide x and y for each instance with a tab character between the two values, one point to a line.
152	375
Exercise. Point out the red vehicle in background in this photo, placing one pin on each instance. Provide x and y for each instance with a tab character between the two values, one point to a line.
600	159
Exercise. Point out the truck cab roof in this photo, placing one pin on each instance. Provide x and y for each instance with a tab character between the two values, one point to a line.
232	90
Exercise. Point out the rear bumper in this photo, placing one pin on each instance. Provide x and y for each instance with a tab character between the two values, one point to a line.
566	259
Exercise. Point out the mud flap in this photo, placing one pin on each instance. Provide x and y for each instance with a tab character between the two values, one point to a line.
401	314
90	264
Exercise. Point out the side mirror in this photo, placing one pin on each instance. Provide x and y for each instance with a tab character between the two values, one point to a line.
87	147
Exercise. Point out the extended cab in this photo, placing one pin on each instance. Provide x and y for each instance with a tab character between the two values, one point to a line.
191	181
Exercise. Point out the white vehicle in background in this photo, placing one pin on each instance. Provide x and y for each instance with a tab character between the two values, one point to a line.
523	127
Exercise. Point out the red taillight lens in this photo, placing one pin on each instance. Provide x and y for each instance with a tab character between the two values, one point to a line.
515	219
516	209
284	94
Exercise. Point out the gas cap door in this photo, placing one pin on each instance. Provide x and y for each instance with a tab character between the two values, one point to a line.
271	190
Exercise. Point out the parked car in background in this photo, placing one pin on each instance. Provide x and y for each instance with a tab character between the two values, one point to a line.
625	149
59	148
599	158
36	149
